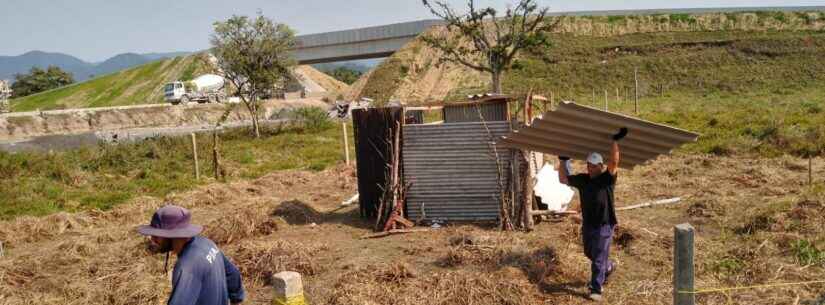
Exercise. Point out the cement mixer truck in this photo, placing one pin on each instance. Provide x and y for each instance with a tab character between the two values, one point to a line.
207	88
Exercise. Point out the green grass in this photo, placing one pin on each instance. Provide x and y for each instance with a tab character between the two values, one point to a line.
746	93
138	85
107	175
807	253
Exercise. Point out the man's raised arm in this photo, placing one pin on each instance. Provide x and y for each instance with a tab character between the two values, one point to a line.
615	156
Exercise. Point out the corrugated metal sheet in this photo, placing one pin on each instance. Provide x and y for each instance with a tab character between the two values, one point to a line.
452	170
575	130
468	112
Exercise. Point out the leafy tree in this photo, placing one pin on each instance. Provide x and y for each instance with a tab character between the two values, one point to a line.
346	75
484	41
39	80
254	56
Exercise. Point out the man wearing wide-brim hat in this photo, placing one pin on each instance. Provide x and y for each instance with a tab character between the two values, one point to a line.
202	275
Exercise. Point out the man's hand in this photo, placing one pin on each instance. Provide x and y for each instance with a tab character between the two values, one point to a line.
621	134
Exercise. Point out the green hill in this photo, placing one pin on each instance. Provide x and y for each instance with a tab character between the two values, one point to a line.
138	85
749	82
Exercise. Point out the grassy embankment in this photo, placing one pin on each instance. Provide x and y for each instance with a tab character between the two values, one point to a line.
137	85
104	176
759	92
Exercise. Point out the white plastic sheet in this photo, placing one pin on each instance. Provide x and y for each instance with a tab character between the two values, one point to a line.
555	195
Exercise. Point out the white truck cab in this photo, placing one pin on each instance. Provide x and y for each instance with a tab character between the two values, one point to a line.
175	92
207	88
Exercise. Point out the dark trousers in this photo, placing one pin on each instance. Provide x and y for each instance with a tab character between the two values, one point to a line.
597	241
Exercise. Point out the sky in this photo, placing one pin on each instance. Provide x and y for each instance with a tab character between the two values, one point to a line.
94	30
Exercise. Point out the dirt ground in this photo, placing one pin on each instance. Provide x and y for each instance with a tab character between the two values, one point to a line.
747	212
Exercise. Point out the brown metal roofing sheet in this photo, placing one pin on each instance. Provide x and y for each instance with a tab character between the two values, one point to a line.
575	130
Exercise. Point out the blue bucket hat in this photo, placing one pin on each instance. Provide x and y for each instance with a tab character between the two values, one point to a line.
171	222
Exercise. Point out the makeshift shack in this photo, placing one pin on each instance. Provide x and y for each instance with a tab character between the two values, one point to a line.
450	170
472	166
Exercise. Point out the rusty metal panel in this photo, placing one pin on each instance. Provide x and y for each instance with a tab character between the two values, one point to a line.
374	130
466	112
575	130
452	171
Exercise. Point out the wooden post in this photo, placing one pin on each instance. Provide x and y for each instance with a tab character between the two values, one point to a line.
527	195
195	156
683	265
346	143
1	250
810	170
636	92
216	155
605	100
594	97
617	95
529	176
552	98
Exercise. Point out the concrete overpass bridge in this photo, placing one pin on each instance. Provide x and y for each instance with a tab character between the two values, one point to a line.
364	43
383	41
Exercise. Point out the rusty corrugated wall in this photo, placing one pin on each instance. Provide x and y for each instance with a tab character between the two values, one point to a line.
374	132
492	111
575	131
452	171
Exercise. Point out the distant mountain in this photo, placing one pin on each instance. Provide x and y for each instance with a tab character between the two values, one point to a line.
81	70
156	56
357	65
11	65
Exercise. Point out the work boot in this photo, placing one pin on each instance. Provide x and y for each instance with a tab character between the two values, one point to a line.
595	296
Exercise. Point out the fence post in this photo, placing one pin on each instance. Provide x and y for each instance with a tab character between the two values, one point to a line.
1	250
195	156
605	100
346	143
636	92
810	170
683	265
288	288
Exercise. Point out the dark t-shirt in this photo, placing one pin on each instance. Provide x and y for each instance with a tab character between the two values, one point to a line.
596	198
203	276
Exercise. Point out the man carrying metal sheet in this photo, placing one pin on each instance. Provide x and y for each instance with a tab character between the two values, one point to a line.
597	210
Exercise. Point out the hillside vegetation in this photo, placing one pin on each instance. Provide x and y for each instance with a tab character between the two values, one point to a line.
749	82
138	85
142	85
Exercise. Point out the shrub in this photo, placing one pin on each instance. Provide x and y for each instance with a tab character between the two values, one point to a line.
312	119
807	253
682	18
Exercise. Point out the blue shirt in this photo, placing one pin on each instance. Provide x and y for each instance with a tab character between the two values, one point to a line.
203	276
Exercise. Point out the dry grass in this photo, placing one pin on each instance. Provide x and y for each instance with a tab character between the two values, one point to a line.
398	284
258	261
750	215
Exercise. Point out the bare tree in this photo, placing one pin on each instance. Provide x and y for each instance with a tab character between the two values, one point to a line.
254	56
484	41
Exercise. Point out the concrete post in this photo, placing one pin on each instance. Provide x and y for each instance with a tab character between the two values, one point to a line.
683	265
288	289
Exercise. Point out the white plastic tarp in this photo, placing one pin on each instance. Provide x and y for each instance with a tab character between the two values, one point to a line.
555	195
